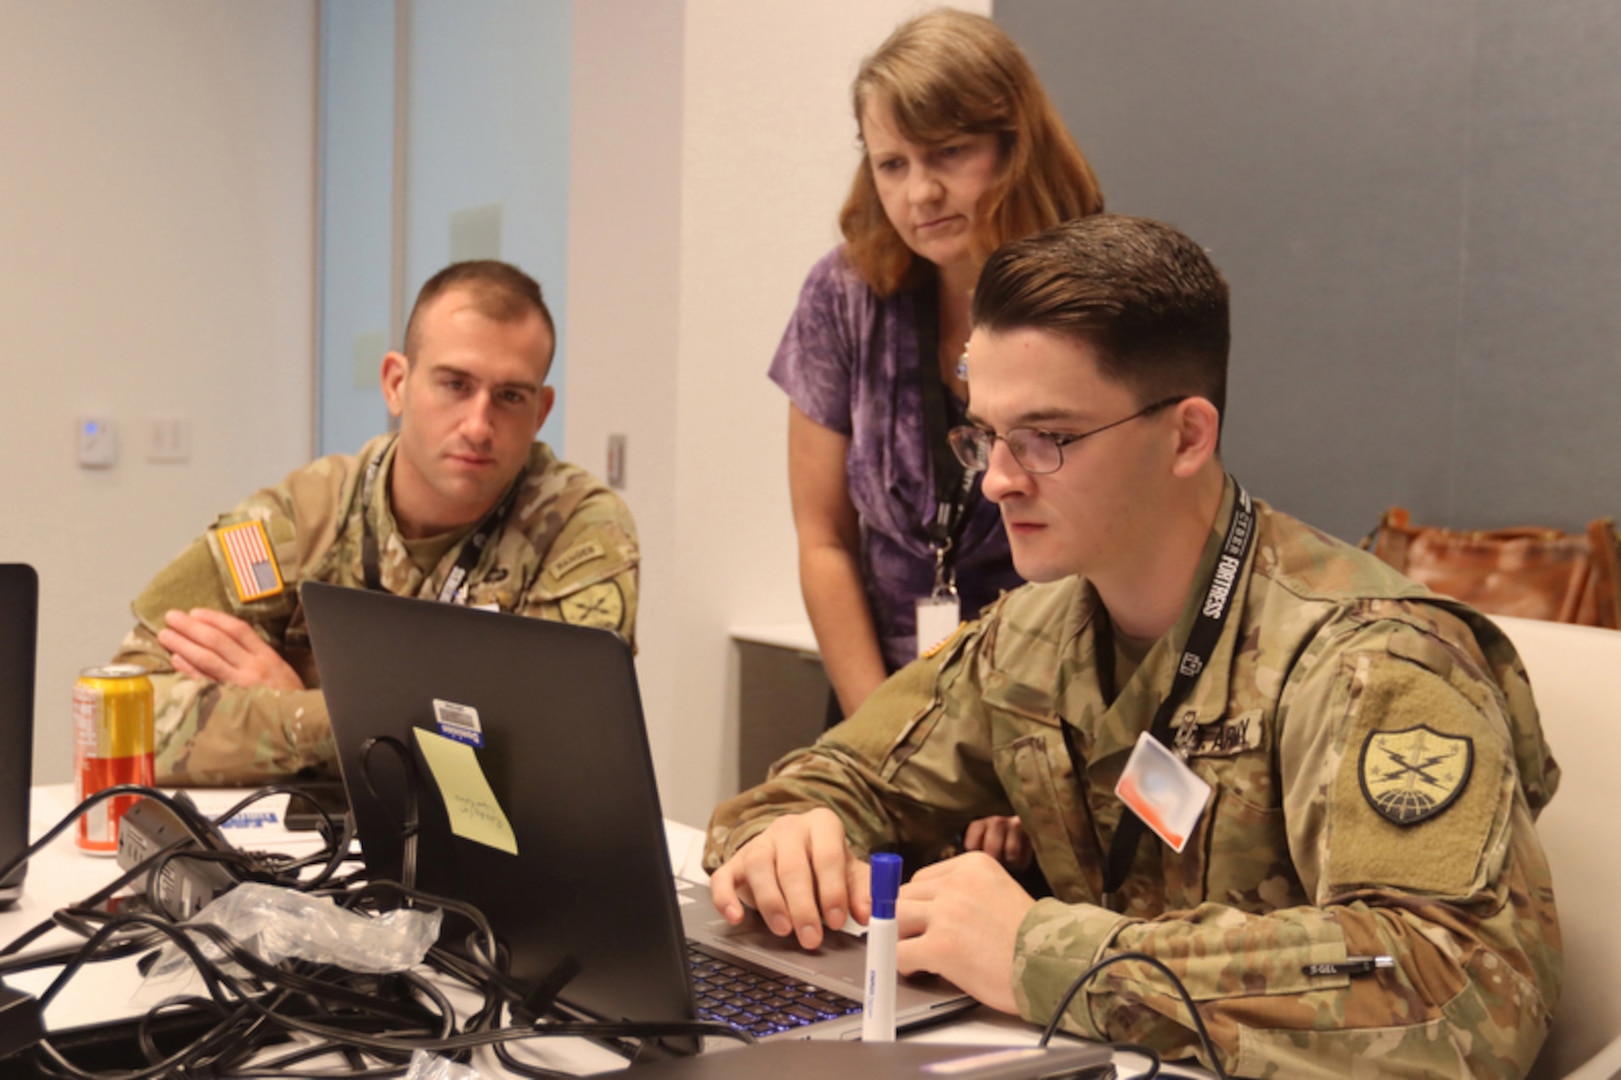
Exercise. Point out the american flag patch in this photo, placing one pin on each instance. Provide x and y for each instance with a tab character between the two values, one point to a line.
253	565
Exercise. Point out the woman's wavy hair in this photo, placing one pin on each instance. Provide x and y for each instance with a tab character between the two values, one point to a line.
946	73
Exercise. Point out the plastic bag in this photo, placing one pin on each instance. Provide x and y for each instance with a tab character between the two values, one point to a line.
426	1066
276	922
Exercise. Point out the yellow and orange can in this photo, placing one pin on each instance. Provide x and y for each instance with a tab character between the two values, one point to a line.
113	740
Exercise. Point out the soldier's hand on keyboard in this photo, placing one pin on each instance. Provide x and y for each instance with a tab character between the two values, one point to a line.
960	919
798	874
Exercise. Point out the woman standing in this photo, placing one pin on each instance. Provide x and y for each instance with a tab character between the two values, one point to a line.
962	153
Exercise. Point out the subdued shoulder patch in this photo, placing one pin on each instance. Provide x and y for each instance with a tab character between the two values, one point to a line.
1412	775
250	560
1423	787
574	558
601	605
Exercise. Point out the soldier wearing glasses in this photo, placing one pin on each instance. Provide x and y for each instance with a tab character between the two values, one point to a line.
1332	773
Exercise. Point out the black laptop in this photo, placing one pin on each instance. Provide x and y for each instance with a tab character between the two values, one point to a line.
19	628
557	721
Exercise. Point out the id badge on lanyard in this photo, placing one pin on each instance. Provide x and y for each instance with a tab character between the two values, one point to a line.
938	615
1164	795
1162	791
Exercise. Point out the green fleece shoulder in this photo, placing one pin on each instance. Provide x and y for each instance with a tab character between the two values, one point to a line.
191	580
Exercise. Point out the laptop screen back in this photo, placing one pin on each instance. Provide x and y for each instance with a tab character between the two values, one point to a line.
565	753
19	626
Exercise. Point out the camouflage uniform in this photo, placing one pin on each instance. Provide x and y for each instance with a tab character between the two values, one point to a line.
1326	656
567	551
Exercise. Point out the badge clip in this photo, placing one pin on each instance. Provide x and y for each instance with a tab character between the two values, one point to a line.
939	613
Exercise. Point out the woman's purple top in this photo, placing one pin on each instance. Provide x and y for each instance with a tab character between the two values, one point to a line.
849	361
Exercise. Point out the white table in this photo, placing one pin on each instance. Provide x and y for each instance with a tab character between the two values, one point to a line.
62	874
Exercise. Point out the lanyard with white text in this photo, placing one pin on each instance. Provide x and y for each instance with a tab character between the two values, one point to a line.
451	592
1202	639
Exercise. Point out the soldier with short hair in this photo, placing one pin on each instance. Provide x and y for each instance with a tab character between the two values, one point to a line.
462	505
1331	772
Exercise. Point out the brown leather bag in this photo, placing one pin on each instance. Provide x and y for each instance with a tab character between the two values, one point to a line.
1532	573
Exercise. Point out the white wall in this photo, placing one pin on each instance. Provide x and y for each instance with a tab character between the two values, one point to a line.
624	262
156	258
707	170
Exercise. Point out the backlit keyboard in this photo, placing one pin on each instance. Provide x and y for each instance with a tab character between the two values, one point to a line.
758	1001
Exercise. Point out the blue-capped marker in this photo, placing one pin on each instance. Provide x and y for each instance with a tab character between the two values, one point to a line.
878	1012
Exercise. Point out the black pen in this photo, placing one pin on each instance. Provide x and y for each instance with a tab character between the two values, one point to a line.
1351	965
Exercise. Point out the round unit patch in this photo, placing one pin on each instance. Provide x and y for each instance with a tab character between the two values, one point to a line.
600	605
1411	775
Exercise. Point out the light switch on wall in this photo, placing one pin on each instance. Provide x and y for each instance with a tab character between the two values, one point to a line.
168	439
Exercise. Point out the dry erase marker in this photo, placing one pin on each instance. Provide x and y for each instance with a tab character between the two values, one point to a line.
878	1012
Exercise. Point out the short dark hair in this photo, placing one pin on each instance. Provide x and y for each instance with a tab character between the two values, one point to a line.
1142	294
498	290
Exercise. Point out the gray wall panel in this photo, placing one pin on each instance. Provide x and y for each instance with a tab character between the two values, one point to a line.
1540	392
1336	159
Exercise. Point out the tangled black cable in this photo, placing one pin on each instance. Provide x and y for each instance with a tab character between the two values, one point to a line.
245	1005
1153	1056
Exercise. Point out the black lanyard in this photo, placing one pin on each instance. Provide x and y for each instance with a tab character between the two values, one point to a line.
1202	639
451	592
955	488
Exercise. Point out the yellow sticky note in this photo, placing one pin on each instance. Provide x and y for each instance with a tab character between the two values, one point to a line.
474	812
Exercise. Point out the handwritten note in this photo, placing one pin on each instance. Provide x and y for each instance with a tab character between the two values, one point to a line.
474	812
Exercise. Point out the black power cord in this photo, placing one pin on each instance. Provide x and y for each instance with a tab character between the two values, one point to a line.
1154	1060
411	820
247	1005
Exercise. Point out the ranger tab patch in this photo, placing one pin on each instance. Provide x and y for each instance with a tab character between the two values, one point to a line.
574	558
252	562
1412	775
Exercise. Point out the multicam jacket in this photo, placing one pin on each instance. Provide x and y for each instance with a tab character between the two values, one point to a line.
1375	760
567	551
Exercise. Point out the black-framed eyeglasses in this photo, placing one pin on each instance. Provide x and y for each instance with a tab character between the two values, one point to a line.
1038	452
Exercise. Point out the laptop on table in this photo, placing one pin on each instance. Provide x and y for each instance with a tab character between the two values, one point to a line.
552	716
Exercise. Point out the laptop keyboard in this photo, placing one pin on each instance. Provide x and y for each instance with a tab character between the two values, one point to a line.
758	1001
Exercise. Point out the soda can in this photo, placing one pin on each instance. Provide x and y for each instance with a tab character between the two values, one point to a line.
113	741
